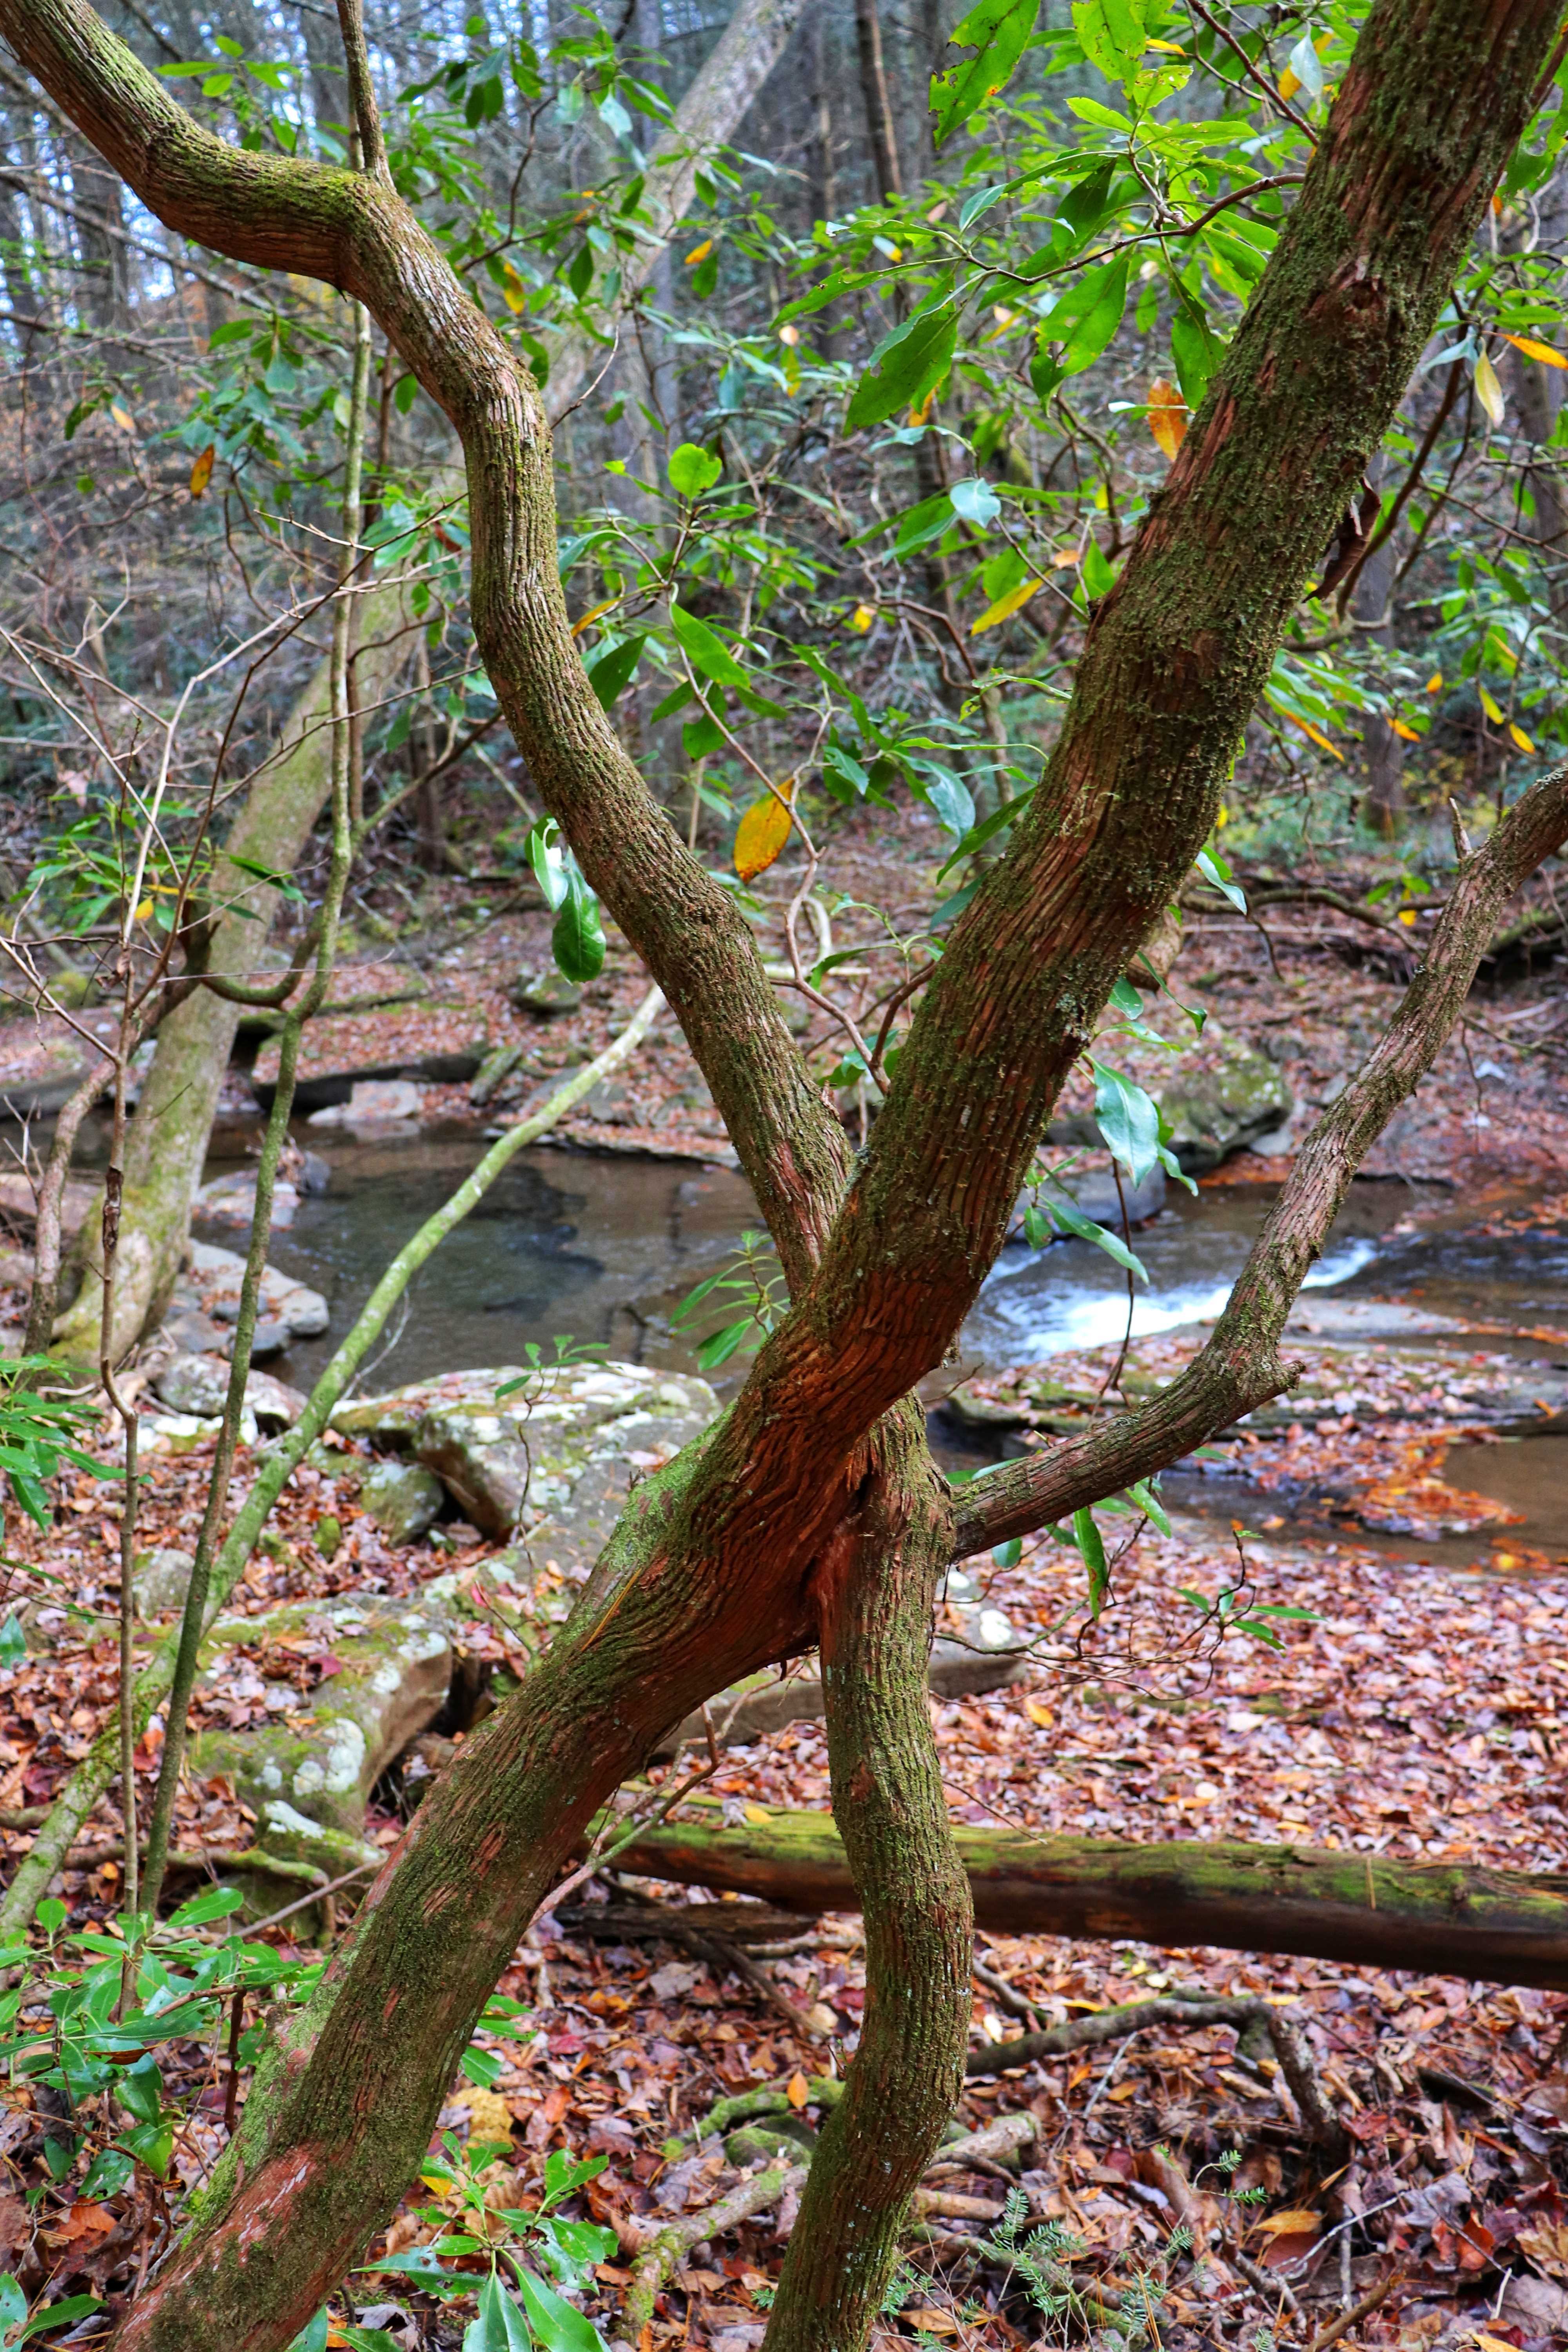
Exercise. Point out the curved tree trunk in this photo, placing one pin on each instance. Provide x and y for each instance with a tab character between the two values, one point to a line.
713	1568
873	1587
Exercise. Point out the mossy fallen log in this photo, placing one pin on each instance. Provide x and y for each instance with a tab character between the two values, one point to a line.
1493	1925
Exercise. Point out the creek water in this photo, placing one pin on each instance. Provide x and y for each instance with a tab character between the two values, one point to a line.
604	1250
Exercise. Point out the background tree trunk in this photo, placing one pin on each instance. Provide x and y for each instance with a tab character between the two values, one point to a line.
878	107
1382	802
167	1144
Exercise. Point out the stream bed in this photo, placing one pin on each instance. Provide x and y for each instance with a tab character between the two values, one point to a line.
602	1249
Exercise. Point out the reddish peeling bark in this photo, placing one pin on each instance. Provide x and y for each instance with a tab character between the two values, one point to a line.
711	1573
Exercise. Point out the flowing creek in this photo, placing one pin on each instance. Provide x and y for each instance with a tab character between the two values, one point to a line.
604	1249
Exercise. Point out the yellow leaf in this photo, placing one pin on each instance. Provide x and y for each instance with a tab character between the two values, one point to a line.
760	1812
1520	737
1297	2218
699	252
1171	49
1489	391
592	615
1489	2343
201	471
122	417
1317	735
1289	84
1005	607
1126	2090
1408	916
1038	1713
438	2183
1222	814
143	910
513	292
921	415
1168	416
798	2090
790	334
1408	733
1490	706
1534	351
1435	683
861	618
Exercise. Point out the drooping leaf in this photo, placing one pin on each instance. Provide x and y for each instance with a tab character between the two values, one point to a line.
908	365
1489	391
761	835
1087	1537
1128	1120
1168	416
201	471
1197	351
611	672
548	860
998	32
1214	869
1087	315
577	941
1072	1220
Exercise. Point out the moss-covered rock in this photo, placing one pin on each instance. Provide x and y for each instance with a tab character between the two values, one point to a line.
1216	1093
555	1459
319	1753
403	1498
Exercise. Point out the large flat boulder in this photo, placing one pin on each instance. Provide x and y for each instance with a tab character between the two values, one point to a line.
44	1057
436	1039
553	1462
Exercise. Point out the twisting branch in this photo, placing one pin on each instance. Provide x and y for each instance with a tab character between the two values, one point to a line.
1241	1367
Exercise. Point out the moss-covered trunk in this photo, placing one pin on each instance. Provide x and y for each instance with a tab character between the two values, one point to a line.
711	1573
1498	1927
873	1590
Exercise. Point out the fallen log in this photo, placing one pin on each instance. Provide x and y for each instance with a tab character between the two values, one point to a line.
1493	1926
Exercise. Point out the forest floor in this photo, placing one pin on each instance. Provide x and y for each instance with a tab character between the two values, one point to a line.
1418	1710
